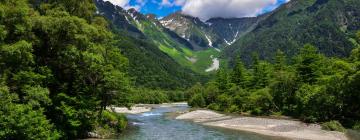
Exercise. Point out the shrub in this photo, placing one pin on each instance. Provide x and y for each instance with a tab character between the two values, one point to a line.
333	126
214	106
224	101
197	101
114	120
356	126
232	108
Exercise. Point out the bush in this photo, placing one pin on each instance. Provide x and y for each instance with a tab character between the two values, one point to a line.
176	96
197	101
224	101
232	108
214	106
260	102
333	126
114	120
356	126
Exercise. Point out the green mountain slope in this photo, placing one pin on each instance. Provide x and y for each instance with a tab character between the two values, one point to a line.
327	24
150	30
152	68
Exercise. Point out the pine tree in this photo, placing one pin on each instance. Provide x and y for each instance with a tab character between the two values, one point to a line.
280	61
307	65
222	81
239	74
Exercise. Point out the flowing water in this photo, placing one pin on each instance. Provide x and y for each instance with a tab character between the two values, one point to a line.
157	125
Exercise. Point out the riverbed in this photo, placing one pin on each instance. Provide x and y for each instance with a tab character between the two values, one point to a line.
159	124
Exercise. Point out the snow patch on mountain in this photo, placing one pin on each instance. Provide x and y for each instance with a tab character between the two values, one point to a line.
191	59
215	65
234	40
166	22
209	40
127	19
208	23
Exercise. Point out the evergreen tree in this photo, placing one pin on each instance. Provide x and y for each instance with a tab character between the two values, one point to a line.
239	74
308	64
223	81
280	61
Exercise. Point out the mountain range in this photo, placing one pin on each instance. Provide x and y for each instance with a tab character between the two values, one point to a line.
194	46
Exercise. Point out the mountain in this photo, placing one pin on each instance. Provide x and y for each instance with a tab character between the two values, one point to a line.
148	64
192	29
118	17
148	28
215	32
231	29
327	24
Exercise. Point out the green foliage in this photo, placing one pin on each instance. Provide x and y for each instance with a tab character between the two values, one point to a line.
196	97
114	120
312	87
308	64
148	96
61	69
177	96
224	101
240	75
197	100
151	68
356	126
81	8
297	23
23	121
333	126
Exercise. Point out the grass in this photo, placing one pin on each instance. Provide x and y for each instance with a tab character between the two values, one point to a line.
204	60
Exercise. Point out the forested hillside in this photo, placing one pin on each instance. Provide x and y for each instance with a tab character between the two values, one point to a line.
308	86
59	70
64	65
327	24
158	38
152	68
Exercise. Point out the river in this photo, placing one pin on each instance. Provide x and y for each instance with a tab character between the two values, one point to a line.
159	125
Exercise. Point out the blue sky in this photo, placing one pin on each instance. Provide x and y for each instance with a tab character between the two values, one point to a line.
154	7
203	9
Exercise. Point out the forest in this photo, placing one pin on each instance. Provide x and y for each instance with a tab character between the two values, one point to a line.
309	86
62	65
59	69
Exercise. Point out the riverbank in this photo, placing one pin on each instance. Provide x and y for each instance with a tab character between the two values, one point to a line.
265	126
131	110
142	108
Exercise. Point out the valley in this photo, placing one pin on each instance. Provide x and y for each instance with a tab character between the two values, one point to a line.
248	70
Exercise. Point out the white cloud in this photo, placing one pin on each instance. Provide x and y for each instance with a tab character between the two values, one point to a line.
121	3
171	3
126	4
205	9
179	2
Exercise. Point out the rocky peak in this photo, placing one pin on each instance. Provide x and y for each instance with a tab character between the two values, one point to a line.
151	16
